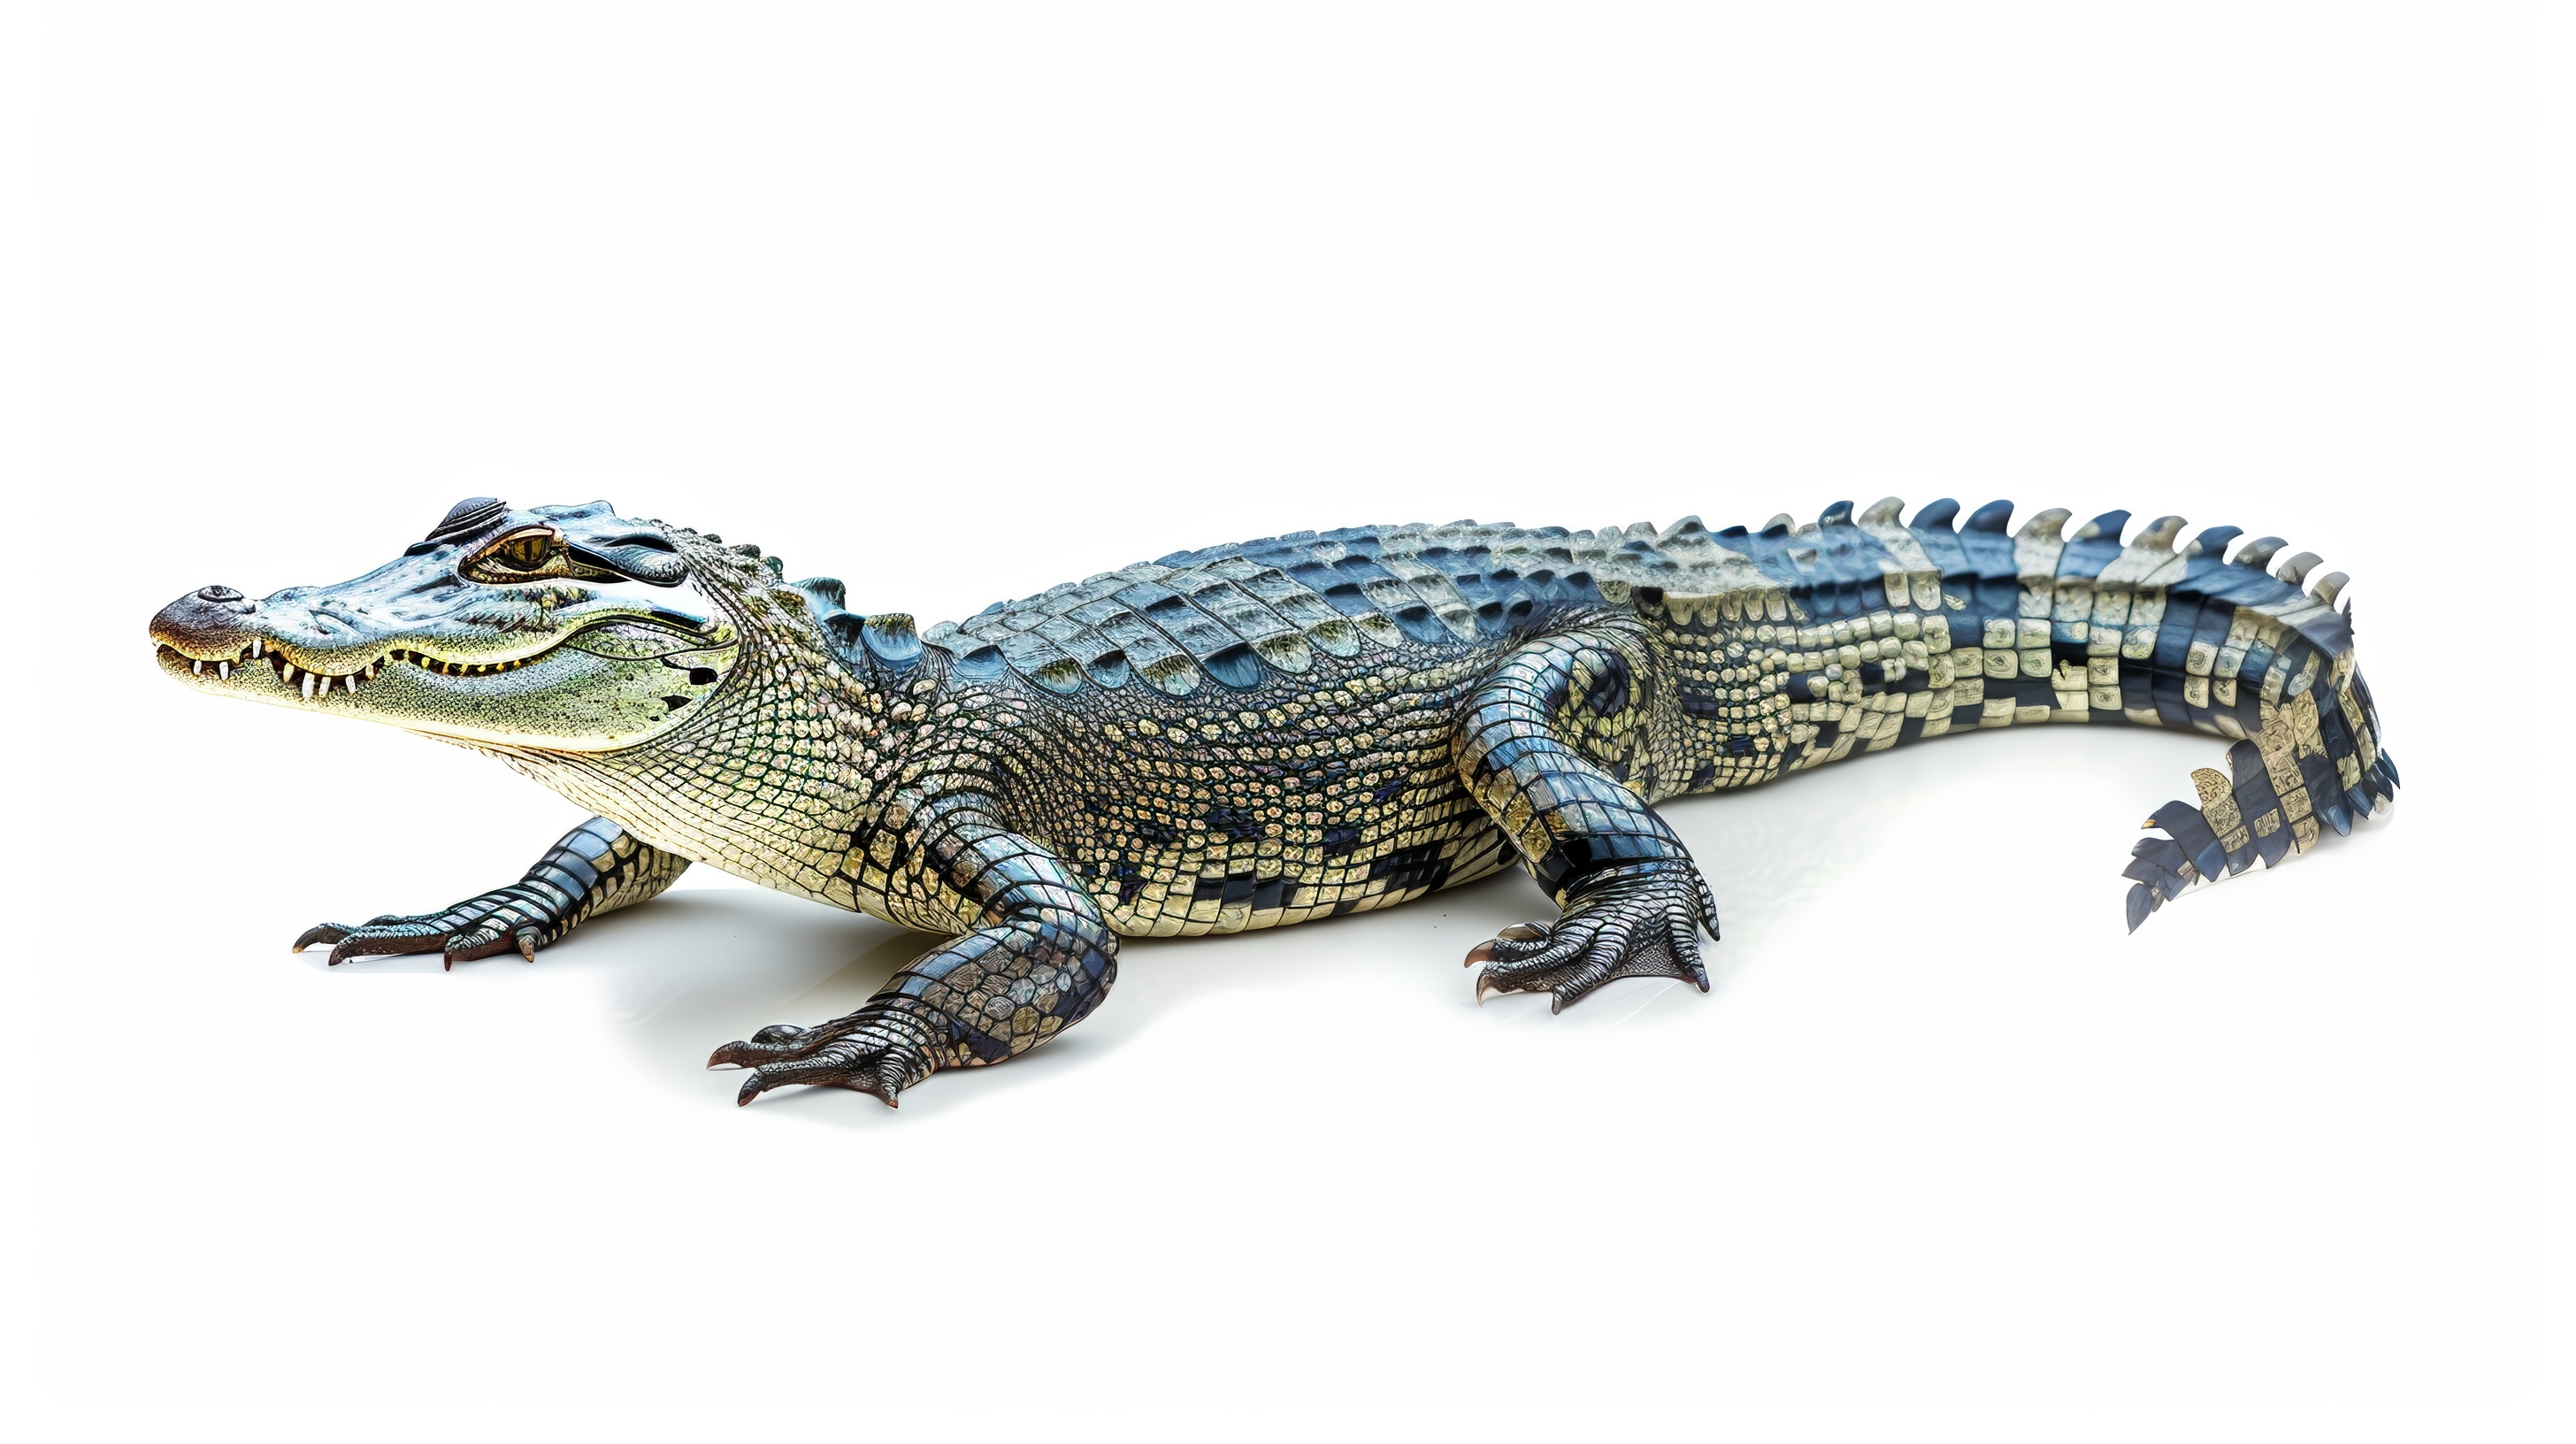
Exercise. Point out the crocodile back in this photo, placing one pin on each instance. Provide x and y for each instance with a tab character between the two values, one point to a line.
1233	617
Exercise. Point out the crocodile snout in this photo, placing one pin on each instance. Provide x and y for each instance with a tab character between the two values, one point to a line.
208	622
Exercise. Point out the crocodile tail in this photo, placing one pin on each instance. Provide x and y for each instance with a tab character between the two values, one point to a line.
2312	762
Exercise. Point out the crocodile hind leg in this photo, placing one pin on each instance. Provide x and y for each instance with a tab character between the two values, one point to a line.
1556	747
595	868
1037	957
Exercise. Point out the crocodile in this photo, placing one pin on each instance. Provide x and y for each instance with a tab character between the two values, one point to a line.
1275	731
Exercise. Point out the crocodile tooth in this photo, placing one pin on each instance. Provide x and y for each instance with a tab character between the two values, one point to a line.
255	647
308	686
198	668
224	670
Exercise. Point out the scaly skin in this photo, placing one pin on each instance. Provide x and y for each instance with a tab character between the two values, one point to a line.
1275	732
596	868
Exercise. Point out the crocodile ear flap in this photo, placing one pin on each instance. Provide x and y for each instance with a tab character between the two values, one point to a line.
606	547
640	556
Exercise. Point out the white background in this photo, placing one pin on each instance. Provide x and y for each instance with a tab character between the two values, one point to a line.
958	301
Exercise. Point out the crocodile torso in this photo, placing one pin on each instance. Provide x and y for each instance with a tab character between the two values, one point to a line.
1284	730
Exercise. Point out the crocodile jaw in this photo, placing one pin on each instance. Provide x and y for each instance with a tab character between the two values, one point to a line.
431	643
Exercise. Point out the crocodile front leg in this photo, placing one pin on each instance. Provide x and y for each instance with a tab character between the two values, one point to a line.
1551	747
595	868
1037	958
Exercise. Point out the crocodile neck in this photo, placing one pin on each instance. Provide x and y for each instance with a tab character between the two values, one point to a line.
788	767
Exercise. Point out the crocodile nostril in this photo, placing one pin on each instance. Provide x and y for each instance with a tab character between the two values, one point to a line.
219	594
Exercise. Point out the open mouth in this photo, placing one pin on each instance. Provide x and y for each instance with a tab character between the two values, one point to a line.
316	684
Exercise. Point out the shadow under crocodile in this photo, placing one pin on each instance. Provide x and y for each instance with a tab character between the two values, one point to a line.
698	967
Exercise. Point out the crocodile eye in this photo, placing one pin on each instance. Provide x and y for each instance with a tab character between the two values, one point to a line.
527	553
524	554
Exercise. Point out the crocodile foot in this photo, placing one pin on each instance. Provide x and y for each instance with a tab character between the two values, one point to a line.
1638	921
476	928
877	1050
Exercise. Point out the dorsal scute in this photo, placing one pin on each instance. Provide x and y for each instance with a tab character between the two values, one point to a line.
2257	553
2106	527
861	643
1235	617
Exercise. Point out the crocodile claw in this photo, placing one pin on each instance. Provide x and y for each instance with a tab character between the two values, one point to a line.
1636	922
877	1051
1486	952
458	939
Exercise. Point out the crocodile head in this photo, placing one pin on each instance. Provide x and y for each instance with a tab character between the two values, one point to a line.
503	627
